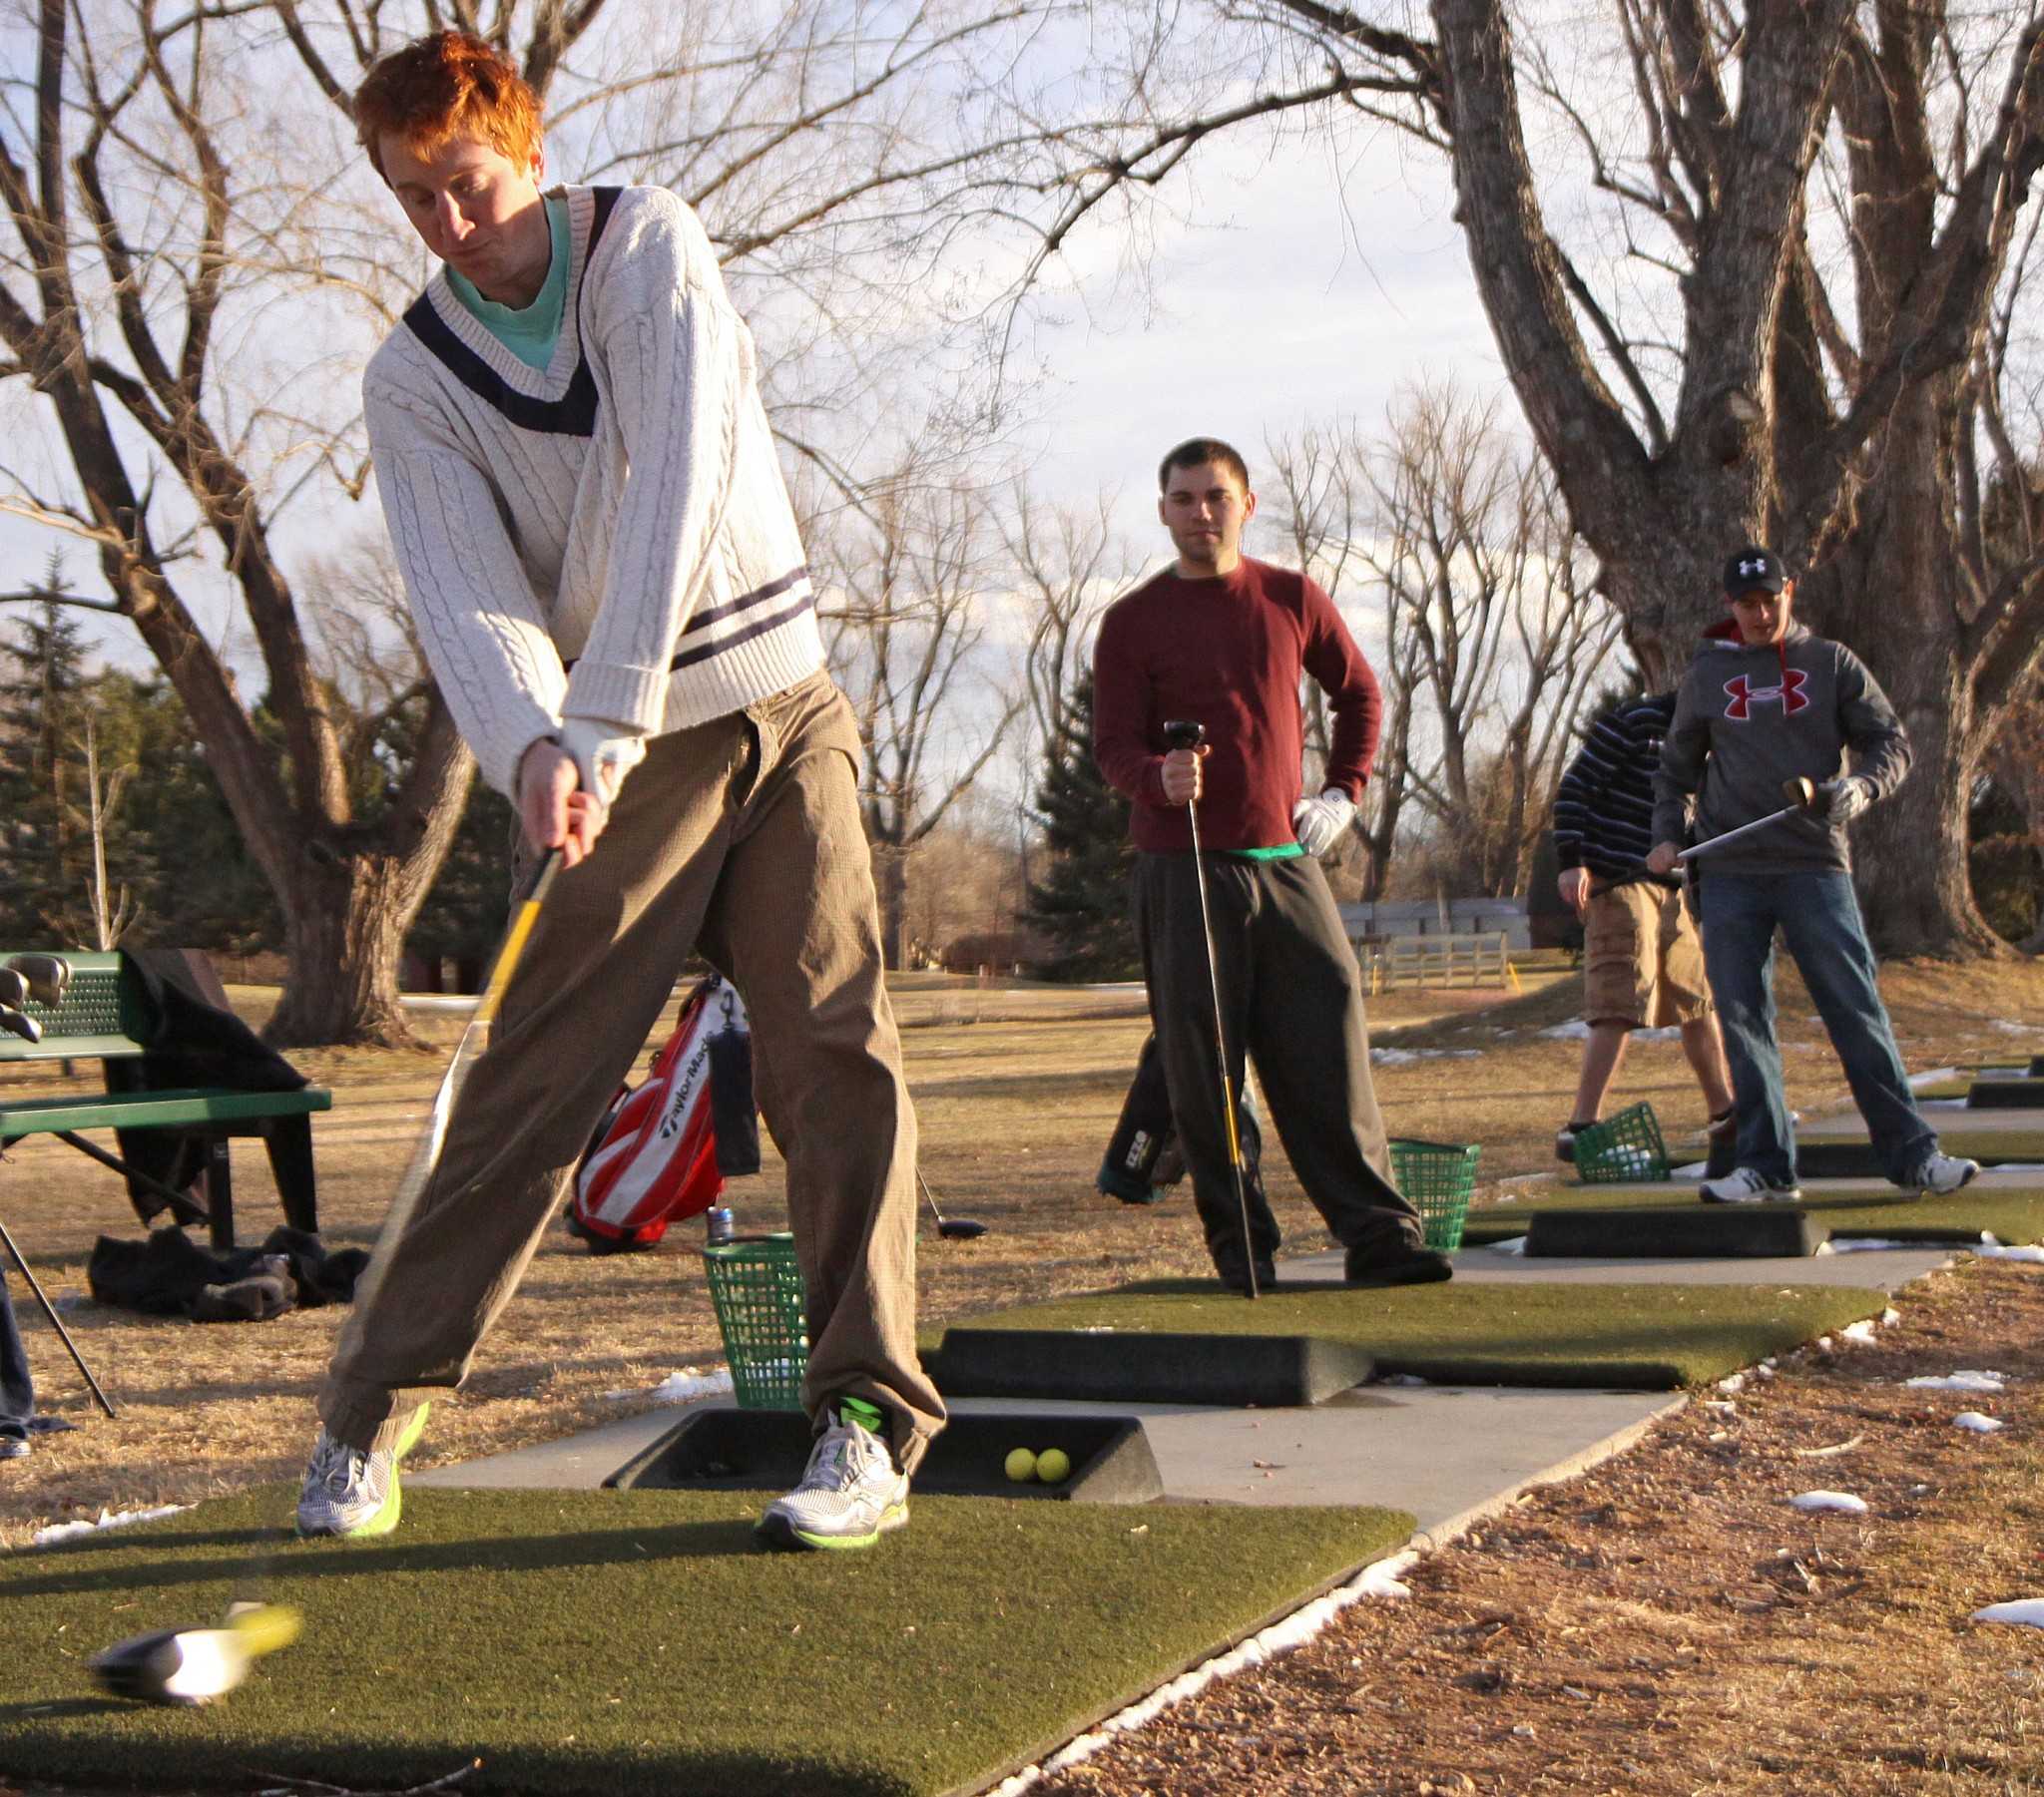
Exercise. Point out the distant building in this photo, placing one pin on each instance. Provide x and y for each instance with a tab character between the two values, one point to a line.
1378	920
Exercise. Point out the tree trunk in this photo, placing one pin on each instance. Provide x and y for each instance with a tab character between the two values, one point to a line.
344	928
891	880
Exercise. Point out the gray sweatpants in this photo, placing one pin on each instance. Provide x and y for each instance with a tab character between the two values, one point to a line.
740	838
1290	996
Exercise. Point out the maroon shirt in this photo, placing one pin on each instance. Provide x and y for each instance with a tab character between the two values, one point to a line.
1228	652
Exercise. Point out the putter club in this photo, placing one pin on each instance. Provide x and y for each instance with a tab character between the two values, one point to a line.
951	1228
1183	734
1800	794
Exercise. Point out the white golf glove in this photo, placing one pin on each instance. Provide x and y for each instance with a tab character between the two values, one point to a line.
1318	822
604	752
1845	798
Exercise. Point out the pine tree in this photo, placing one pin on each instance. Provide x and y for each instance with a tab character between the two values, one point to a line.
47	852
1083	903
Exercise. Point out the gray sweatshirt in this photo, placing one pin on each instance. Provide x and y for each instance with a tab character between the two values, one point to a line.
1748	718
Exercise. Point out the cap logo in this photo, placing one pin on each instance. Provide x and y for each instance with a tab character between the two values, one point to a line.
1753	565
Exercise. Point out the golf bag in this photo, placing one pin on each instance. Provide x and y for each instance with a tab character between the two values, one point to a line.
664	1149
1143	1155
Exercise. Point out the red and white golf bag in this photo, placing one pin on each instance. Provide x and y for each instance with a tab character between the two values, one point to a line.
662	1152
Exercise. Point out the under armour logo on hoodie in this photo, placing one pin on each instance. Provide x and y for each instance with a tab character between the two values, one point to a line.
1744	696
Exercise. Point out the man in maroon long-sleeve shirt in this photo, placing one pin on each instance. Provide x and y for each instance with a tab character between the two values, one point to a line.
1223	641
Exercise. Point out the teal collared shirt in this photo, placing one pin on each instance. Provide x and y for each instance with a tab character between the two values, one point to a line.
531	332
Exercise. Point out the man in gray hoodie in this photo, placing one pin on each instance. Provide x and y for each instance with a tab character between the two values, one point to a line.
1764	701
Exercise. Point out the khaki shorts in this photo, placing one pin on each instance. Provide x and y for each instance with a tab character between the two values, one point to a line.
1643	963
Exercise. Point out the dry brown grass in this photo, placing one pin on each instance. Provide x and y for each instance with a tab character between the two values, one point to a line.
1016	1090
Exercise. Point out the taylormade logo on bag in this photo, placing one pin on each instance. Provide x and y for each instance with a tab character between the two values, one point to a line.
675	1117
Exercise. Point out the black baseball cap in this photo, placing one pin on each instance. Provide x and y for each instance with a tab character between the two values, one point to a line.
1753	567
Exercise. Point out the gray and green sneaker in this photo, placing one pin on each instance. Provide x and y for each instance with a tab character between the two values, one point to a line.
851	1494
351	1492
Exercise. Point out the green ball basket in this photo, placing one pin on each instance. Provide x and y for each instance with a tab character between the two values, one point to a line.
1437	1179
757	1288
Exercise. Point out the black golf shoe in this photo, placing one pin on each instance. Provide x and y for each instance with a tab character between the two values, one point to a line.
1402	1265
1234	1274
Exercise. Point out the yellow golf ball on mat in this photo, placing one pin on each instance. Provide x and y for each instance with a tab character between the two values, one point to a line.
1052	1466
1021	1466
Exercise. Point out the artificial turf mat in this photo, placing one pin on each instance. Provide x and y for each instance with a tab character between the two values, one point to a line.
1522	1332
2010	1216
637	1641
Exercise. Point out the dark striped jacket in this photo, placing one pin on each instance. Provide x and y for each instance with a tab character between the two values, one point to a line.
1603	806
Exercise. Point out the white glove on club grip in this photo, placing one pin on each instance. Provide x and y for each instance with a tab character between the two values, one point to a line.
602	753
1318	822
1845	798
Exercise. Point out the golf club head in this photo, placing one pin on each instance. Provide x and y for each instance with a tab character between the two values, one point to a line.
959	1228
1800	790
13	989
48	976
21	1025
1184	734
195	1665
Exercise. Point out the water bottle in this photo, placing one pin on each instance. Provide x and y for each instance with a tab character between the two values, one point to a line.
721	1225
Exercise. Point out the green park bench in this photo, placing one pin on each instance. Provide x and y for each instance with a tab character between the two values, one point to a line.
107	1014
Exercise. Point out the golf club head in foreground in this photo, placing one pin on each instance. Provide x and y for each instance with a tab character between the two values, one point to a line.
1801	790
196	1665
959	1228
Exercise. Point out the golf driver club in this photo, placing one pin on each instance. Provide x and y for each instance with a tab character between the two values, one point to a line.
196	1665
1800	794
951	1228
1188	735
12	995
426	1156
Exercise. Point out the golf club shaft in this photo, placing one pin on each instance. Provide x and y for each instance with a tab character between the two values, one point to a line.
1241	1197
426	1154
929	1199
56	1322
1745	829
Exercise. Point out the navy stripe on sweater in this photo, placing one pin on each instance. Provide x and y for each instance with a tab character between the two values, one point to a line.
1603	806
573	414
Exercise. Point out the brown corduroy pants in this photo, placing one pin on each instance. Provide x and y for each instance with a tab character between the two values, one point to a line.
741	839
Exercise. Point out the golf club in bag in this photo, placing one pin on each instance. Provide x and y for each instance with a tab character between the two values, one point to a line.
1188	735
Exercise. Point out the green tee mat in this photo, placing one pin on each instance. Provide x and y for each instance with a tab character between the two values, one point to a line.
638	1642
1960	1216
1819	1157
1516	1332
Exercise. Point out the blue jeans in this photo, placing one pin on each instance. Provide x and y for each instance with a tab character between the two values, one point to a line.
17	1392
1819	916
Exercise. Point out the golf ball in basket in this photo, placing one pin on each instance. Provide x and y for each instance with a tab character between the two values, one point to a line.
1021	1465
1052	1466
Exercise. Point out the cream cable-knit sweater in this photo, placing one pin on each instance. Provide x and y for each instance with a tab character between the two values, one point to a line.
608	537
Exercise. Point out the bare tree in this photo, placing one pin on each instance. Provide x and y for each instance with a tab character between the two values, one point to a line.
908	614
1776	291
200	262
113	914
1491	619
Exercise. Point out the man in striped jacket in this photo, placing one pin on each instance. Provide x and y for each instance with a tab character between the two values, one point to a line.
1643	966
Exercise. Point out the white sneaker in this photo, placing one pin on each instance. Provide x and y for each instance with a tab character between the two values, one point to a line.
1944	1172
354	1494
1744	1186
849	1495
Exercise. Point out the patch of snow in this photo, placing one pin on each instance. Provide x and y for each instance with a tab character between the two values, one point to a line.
1720	1407
1405	1057
1517	1245
684	1387
1401	1379
1844	1502
2029	1612
1518	1179
108	1518
1865	1244
1936	1076
1977	1422
1381	1580
2009	1027
2017	1167
1942	1104
1966	1380
1694	1170
1890	1317
1734	1382
1998	1252
1575	1029
1861	1331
